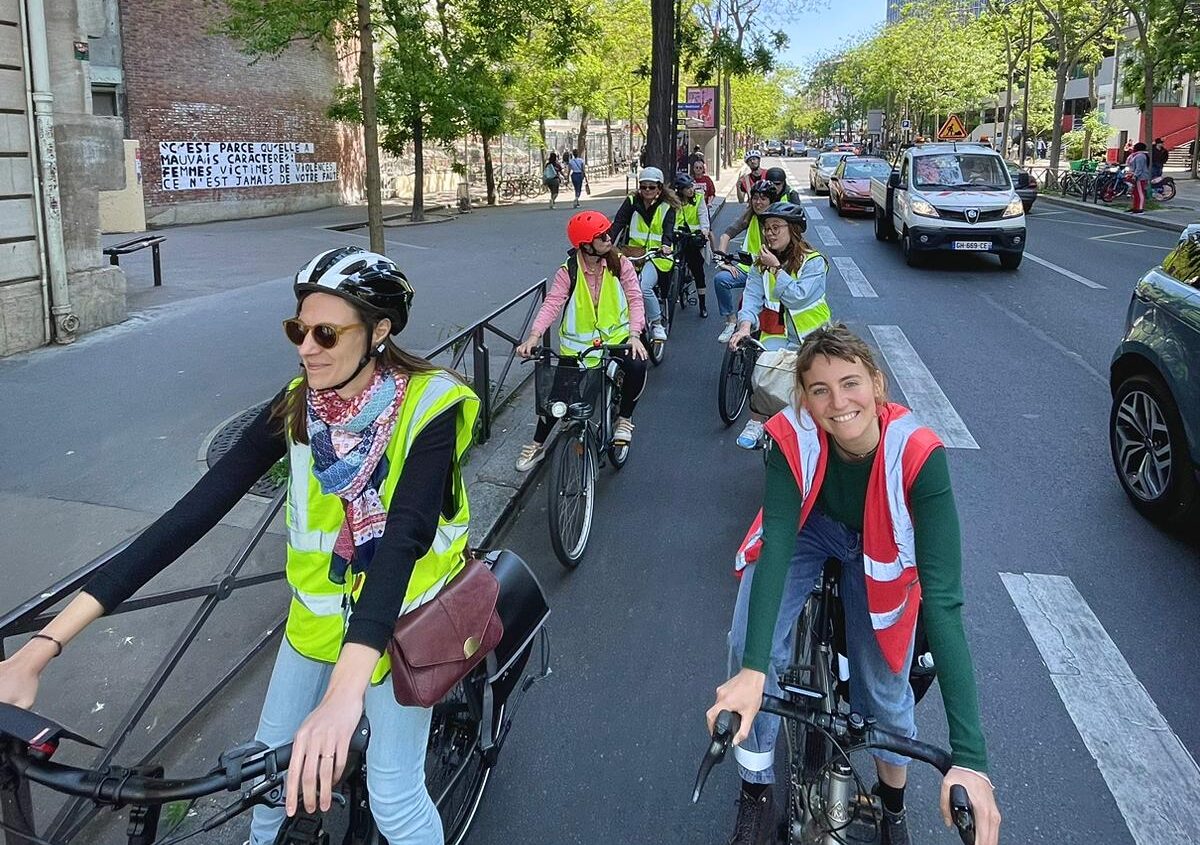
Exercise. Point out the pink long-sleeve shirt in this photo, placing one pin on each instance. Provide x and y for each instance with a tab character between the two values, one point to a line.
560	289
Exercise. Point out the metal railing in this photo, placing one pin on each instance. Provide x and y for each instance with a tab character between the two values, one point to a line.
16	807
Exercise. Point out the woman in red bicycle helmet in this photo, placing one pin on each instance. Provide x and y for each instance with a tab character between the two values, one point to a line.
597	294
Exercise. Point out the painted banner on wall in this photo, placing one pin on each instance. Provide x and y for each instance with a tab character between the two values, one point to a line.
208	165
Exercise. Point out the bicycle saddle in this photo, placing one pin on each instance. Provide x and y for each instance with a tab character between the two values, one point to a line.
30	728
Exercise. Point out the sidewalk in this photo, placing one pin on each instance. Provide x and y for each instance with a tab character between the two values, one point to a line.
1175	215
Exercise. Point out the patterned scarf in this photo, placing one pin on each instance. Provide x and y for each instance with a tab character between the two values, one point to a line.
348	440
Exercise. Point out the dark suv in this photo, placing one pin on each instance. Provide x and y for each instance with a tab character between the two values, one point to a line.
1154	426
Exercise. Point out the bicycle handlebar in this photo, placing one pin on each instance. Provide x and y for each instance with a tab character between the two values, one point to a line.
117	786
547	352
862	733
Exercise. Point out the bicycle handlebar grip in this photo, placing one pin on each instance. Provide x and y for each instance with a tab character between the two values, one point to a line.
962	813
724	730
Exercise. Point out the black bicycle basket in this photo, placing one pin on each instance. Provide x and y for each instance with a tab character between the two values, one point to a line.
564	381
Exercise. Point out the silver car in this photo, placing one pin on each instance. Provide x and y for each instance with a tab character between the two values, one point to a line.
821	169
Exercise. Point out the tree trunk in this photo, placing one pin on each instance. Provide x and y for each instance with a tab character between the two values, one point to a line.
612	162
582	143
366	82
1011	65
662	99
1093	104
727	102
542	135
1148	94
489	173
418	139
1060	89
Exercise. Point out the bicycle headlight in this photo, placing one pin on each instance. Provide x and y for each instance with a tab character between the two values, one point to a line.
924	208
558	410
1014	208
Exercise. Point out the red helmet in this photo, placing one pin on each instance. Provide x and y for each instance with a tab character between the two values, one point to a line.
585	227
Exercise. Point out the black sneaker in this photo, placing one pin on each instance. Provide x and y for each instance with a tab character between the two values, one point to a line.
894	828
703	310
755	819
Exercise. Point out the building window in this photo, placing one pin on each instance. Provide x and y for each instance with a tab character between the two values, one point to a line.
105	102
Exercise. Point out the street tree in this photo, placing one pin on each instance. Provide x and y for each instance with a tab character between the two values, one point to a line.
1167	33
1079	32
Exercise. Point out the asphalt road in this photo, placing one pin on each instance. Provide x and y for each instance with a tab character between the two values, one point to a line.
606	750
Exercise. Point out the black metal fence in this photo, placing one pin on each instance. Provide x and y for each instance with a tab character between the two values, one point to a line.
493	388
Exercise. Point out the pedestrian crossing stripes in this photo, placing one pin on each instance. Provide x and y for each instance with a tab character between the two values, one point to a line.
1152	776
825	233
853	277
924	396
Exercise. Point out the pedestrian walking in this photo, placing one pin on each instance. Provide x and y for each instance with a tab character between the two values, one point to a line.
1138	169
578	168
1158	158
552	177
1041	148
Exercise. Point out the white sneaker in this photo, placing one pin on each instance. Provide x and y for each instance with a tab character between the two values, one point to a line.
726	333
530	457
751	435
657	332
623	431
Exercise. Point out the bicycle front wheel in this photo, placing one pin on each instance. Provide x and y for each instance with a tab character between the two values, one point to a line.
456	772
808	751
572	498
733	387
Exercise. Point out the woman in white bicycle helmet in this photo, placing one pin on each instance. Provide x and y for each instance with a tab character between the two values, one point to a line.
647	219
375	438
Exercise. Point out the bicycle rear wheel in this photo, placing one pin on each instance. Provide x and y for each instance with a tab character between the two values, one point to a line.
733	387
456	772
572	498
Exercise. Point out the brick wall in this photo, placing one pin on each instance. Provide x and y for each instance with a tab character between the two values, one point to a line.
185	84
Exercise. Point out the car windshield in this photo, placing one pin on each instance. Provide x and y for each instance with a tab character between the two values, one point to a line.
867	169
830	160
960	171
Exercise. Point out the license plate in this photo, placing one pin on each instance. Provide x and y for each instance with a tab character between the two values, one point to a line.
982	246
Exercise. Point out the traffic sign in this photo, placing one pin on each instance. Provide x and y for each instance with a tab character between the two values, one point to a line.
689	106
906	124
952	129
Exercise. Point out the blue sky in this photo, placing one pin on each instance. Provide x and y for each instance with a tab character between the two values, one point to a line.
828	26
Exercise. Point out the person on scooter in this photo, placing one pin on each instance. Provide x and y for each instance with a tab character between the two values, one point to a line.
647	221
693	217
597	294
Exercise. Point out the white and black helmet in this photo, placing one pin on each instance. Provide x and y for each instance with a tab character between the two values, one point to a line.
365	279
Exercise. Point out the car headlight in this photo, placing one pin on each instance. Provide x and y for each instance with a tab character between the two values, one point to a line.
1015	208
558	410
925	209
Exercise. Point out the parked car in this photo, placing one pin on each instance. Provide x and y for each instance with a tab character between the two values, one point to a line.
1025	184
774	148
821	169
850	184
1154	424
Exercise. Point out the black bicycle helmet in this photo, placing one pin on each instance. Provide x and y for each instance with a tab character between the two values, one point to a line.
776	174
789	211
763	186
683	182
365	279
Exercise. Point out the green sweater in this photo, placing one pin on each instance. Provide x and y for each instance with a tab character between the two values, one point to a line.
939	556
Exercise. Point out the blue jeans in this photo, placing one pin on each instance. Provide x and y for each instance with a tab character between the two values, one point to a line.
874	689
577	181
728	281
403	810
648	279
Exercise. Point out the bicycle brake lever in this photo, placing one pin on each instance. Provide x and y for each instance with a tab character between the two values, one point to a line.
724	730
962	814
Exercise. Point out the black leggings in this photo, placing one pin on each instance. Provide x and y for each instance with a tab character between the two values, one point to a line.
694	256
631	388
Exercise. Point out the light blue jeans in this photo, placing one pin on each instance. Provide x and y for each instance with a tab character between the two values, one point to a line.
874	689
648	279
403	810
728	281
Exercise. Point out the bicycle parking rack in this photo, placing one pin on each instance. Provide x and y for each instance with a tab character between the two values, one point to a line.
16	807
115	252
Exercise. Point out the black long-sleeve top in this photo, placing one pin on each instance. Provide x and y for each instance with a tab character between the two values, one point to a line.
624	216
424	489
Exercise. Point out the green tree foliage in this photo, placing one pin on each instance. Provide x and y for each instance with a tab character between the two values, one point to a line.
1167	38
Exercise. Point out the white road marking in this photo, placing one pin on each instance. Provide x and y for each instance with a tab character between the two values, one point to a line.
1074	276
1152	776
1115	234
924	396
853	277
827	236
1044	213
1147	246
813	213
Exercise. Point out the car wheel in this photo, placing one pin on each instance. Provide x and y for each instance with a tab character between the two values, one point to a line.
838	207
831	197
881	229
1011	260
1150	452
911	256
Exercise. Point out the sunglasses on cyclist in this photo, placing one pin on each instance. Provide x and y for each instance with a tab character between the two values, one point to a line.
648	186
326	335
